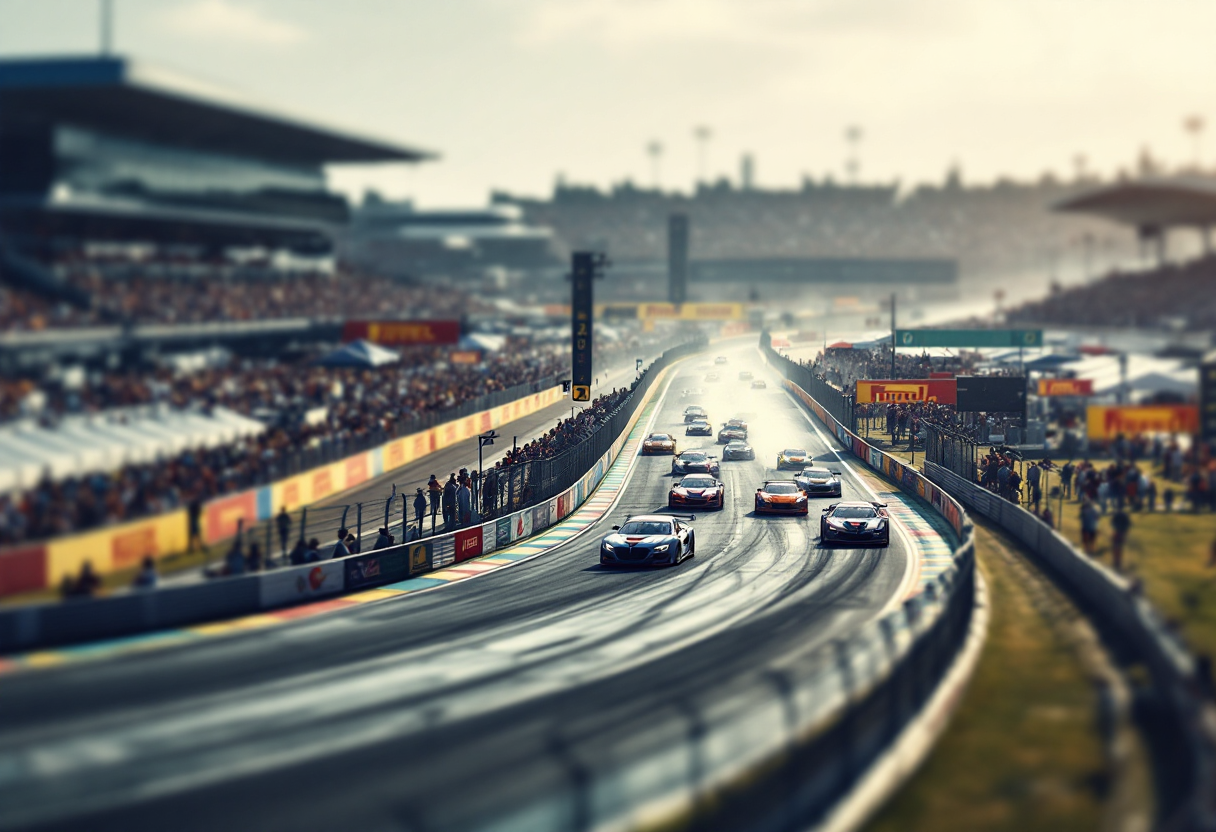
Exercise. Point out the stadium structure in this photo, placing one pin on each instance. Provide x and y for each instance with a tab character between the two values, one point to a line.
108	150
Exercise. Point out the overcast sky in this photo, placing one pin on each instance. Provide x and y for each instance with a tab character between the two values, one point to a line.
512	92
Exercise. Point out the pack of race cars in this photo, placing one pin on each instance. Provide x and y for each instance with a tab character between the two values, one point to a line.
666	539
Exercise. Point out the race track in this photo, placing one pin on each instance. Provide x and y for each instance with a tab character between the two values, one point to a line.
460	707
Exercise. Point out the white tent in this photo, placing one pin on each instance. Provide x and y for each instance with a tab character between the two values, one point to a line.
360	354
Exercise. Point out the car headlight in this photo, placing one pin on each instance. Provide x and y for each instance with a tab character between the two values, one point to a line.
658	550
606	546
836	524
800	499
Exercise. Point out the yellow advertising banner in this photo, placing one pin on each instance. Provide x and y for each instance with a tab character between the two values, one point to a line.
1066	387
116	547
691	311
1108	421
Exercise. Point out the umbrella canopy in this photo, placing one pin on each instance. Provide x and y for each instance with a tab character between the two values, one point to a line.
840	345
360	354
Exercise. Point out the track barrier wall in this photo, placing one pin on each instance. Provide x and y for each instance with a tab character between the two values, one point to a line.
1182	686
73	621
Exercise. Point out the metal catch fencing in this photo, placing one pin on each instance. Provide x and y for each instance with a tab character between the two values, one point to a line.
840	404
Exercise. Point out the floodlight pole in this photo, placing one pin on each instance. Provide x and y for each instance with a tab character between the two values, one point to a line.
892	335
107	24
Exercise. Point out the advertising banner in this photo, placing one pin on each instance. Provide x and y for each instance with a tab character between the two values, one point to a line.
991	394
1066	387
1109	421
221	517
521	526
443	552
377	568
419	556
300	583
691	311
540	517
502	532
23	569
1207	397
468	543
402	333
1028	338
907	390
489	537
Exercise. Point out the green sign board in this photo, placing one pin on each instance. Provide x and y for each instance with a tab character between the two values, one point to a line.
969	338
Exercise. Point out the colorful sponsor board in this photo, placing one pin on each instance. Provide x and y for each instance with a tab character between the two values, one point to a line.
301	583
691	311
468	543
1109	421
402	333
377	567
938	390
1066	387
421	556
116	547
23	569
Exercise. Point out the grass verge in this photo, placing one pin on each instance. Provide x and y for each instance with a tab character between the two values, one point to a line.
1024	749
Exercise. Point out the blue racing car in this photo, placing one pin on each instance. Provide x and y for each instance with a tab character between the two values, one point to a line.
648	540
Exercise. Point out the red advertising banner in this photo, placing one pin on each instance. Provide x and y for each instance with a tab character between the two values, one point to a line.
468	543
220	517
1066	387
402	333
940	390
22	569
1107	422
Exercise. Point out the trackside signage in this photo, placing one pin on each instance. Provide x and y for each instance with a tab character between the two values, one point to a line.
941	391
377	568
1015	338
468	543
1108	422
1066	387
291	586
402	333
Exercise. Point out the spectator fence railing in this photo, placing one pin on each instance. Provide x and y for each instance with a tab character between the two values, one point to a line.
833	399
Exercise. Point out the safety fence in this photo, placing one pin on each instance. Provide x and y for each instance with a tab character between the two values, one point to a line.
45	625
837	403
952	450
1181	699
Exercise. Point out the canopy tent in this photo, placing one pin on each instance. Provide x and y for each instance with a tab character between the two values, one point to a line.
1049	363
360	354
482	341
104	443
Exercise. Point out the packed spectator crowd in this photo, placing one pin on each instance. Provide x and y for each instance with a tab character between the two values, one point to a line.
168	289
358	406
1174	296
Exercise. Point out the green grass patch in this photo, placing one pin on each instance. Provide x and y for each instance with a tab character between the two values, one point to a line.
1023	750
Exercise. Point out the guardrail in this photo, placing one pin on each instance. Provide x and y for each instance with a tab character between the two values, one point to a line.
1182	685
555	497
833	400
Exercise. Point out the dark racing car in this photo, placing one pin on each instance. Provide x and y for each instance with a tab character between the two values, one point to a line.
738	450
855	522
699	428
730	433
695	462
694	412
648	540
819	482
759	384
697	491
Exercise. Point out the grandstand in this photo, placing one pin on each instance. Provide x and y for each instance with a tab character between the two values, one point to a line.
130	197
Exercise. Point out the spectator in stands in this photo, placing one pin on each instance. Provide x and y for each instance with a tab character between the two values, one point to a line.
436	493
1120	524
299	554
1066	474
234	561
85	585
1089	525
313	553
449	501
194	511
352	543
283	521
464	504
419	507
146	577
340	549
383	539
1034	476
253	560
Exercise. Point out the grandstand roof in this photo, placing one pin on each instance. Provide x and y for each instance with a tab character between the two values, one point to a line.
121	97
1151	203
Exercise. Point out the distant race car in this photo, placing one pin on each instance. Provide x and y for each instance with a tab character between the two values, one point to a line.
694	392
816	482
697	491
855	522
745	375
731	434
759	384
737	450
737	423
659	443
793	458
721	359
648	540
781	497
693	413
699	428
695	462
712	377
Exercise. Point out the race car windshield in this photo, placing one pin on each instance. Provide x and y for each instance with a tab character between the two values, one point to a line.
698	482
735	423
793	452
781	488
693	458
855	513
816	472
659	437
647	527
737	446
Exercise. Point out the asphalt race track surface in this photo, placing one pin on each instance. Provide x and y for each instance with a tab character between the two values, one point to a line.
452	708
